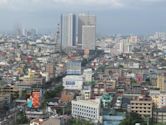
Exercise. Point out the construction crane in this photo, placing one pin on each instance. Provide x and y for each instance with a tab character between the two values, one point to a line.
58	33
57	38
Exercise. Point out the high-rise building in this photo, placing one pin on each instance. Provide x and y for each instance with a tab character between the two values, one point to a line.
89	37
68	30
86	23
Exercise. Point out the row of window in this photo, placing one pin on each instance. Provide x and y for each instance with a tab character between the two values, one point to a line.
86	115
140	104
80	106
88	111
142	112
141	107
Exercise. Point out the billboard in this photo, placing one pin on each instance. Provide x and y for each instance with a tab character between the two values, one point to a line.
36	99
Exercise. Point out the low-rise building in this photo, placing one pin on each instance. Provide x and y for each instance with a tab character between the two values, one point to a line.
35	114
73	68
87	92
99	89
50	121
142	105
161	81
86	109
106	100
50	70
160	115
67	96
159	98
87	74
73	82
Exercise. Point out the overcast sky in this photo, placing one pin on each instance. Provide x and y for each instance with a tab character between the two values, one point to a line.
113	16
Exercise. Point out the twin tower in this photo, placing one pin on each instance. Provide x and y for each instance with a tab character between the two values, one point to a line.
78	31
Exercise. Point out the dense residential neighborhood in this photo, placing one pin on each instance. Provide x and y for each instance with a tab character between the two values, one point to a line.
121	82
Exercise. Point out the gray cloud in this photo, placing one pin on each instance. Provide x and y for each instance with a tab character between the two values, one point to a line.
24	4
113	16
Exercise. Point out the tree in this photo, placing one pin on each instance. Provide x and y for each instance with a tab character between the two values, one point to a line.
121	66
84	62
74	121
53	93
132	119
160	124
21	118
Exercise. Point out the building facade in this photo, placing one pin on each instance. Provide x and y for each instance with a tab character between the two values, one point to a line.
86	109
85	20
142	105
87	75
159	98
72	82
73	68
161	81
87	92
88	37
160	115
68	31
50	70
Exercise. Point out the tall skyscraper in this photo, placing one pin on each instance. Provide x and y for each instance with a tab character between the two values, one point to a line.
68	31
89	37
86	23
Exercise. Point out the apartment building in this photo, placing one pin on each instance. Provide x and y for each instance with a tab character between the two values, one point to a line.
86	109
142	105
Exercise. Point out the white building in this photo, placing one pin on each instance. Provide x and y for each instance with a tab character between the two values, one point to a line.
123	46
87	74
73	82
86	109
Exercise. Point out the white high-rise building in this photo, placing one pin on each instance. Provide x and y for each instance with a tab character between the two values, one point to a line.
89	37
85	22
68	30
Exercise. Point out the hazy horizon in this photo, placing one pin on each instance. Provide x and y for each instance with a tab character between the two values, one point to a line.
113	16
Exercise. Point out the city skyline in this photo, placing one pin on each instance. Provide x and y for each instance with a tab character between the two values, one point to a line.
114	16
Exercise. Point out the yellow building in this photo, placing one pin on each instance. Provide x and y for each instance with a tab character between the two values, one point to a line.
161	81
7	88
159	98
33	77
50	70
